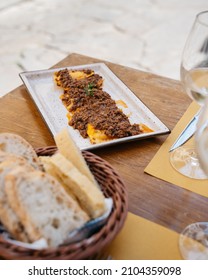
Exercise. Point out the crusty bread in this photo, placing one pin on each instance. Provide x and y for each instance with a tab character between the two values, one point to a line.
49	168
91	198
4	156
7	156
69	150
8	217
15	144
43	206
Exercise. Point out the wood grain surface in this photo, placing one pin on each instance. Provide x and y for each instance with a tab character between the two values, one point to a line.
149	197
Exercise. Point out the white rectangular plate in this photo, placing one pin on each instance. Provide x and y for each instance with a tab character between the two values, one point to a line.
45	93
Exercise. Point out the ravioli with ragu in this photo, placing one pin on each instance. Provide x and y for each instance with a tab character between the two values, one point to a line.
91	110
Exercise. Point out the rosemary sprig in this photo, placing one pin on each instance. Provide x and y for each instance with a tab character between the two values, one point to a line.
89	89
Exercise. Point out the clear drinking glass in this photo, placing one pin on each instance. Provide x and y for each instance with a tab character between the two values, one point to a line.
194	77
193	241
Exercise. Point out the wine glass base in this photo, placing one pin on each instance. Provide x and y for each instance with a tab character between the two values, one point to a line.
184	160
193	241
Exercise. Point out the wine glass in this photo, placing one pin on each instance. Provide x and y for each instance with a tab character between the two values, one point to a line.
194	77
193	241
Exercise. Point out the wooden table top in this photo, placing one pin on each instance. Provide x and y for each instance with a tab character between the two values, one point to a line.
149	197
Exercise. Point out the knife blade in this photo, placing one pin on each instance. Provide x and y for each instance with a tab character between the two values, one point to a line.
187	133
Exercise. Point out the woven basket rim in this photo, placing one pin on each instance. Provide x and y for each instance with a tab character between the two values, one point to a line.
88	247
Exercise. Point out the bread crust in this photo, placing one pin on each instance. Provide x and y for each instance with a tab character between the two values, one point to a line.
8	216
15	144
43	206
70	151
89	196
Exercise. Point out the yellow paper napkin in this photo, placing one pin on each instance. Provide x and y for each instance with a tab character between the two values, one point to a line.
141	239
167	172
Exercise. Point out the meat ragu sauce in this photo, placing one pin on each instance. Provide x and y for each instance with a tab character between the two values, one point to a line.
91	107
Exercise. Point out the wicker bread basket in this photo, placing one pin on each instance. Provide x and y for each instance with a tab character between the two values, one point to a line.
112	186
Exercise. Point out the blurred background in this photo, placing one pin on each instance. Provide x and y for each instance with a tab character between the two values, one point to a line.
147	35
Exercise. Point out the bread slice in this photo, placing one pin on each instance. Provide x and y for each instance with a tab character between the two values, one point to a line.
91	198
49	168
43	206
7	156
4	156
8	217
15	144
69	150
